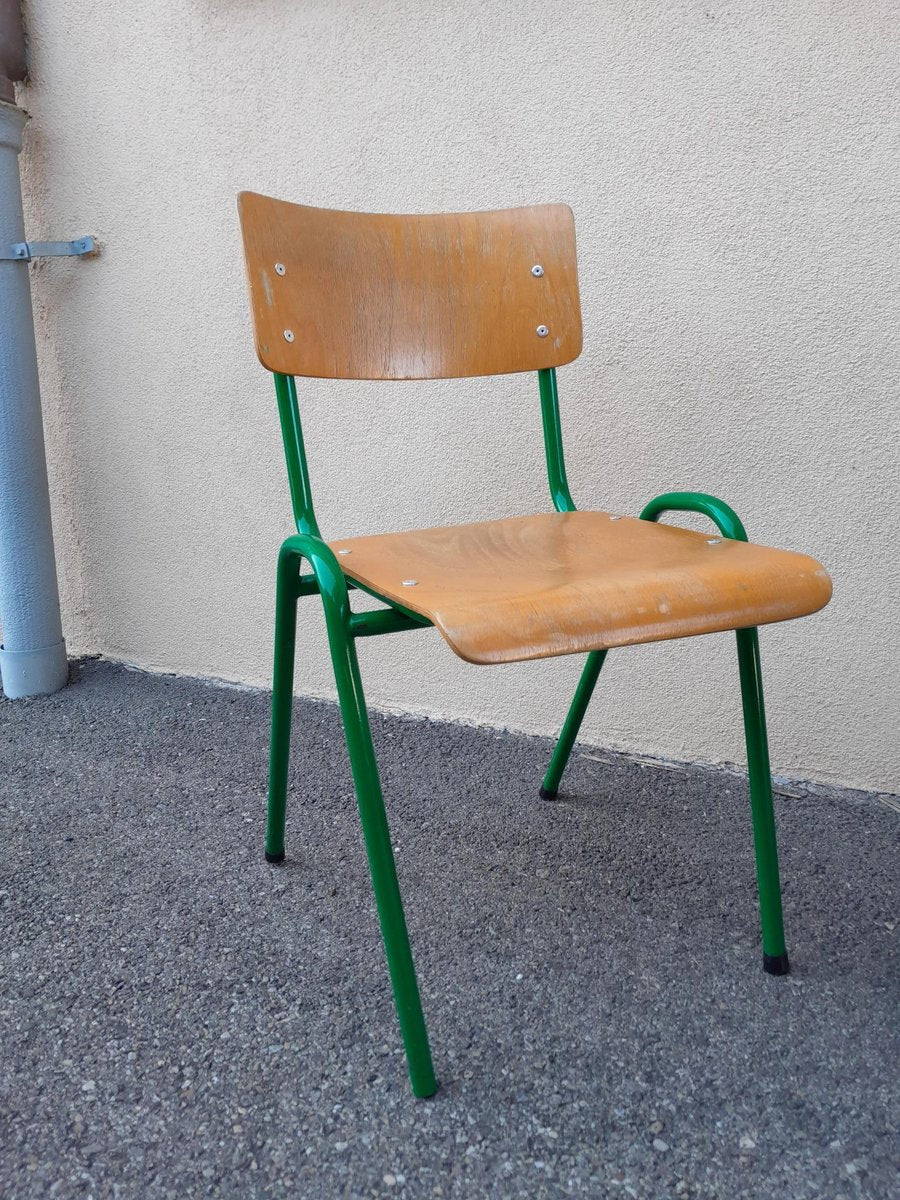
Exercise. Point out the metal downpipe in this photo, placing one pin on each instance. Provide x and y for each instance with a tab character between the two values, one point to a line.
33	654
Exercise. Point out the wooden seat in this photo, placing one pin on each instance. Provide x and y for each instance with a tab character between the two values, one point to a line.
563	583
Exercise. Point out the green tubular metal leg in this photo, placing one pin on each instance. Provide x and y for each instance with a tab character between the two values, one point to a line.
333	588
563	502
775	959
574	717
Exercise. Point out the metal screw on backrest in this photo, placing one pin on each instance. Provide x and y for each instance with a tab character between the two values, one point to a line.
410	582
713	541
537	270
542	331
289	335
279	268
343	551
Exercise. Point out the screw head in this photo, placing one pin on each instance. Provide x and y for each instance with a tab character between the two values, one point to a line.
713	541
542	331
279	268
289	335
343	551
537	270
615	516
410	582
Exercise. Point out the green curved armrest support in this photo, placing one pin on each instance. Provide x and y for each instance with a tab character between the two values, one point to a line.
727	520
775	959
327	577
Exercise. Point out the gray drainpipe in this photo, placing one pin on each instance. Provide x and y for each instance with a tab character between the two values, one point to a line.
33	655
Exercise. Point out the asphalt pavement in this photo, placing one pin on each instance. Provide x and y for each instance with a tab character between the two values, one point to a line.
180	1019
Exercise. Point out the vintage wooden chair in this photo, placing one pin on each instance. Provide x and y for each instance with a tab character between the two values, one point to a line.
343	295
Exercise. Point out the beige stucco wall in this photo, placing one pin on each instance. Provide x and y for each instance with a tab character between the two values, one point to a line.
732	168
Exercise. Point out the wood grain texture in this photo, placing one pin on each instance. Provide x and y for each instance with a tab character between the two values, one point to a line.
563	583
372	296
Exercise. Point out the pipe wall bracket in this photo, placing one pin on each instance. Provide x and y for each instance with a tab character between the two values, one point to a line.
26	251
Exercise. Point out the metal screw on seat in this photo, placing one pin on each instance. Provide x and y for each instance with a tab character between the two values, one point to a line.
343	551
537	270
289	335
279	268
542	331
410	582
713	541
615	516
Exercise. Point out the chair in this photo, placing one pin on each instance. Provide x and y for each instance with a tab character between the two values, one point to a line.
343	295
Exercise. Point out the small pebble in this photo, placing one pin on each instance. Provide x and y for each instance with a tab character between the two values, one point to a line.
660	1145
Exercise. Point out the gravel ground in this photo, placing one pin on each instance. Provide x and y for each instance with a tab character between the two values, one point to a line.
179	1019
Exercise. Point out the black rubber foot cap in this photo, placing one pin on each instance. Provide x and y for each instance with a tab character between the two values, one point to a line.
545	795
279	857
776	964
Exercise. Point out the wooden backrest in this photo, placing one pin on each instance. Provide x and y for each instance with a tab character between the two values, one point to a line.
344	295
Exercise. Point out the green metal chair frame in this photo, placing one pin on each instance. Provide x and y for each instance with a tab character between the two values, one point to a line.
327	580
377	296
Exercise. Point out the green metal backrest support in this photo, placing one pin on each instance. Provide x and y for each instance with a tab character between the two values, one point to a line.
298	470
345	295
295	455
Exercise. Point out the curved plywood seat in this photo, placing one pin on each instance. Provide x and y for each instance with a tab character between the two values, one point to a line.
563	583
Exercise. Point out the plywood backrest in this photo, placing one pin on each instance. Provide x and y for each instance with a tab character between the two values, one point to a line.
344	295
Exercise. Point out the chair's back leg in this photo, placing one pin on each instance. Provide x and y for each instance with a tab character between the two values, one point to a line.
381	864
775	959
575	716
282	704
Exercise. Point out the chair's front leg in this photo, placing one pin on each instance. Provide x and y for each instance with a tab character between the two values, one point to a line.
382	867
572	724
332	586
282	703
775	959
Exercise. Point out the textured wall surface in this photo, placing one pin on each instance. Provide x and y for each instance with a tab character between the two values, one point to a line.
732	168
